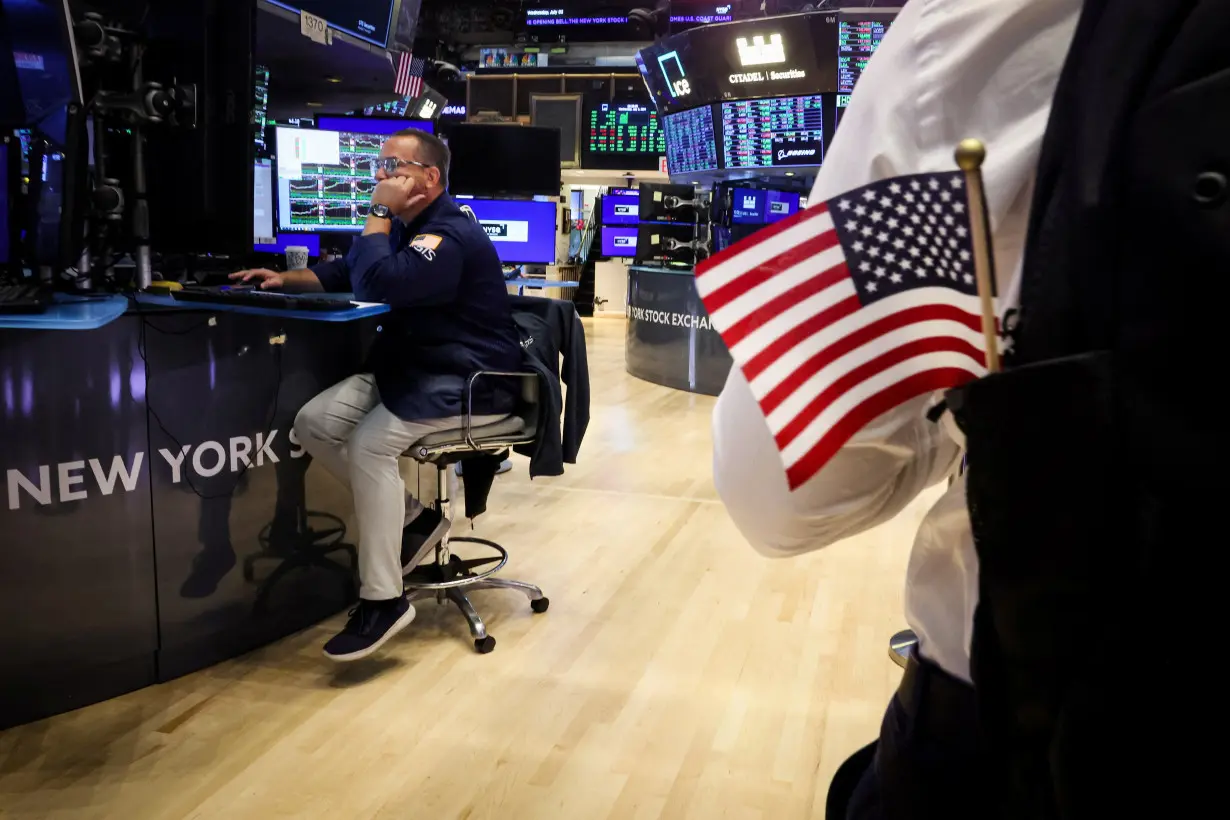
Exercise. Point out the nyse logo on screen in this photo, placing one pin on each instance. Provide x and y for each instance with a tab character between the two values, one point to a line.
625	241
779	207
506	230
626	210
758	52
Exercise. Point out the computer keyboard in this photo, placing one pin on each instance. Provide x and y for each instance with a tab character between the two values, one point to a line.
23	299
247	295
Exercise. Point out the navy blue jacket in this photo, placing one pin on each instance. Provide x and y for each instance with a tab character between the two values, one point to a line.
450	312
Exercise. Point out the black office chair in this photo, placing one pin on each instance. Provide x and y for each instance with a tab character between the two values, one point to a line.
450	577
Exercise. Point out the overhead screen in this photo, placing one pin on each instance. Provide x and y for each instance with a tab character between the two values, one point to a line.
507	160
624	128
621	206
373	125
619	241
691	144
523	231
774	133
369	20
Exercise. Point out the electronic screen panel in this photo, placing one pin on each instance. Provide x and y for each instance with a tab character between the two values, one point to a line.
369	20
747	206
781	204
619	241
691	144
687	14
260	108
385	126
571	21
325	179
523	231
773	133
858	36
624	128
263	229
621	206
4	200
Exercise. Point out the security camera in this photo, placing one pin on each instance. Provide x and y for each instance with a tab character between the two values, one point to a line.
445	72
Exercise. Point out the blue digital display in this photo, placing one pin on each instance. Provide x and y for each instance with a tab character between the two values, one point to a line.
747	206
522	231
311	241
4	203
618	241
372	125
621	206
781	204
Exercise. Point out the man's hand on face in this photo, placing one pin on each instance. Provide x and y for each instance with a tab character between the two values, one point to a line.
399	194
267	279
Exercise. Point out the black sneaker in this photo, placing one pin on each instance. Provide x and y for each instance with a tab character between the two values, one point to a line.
371	624
420	536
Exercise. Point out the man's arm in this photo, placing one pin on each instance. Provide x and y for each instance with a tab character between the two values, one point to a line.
946	70
329	277
426	272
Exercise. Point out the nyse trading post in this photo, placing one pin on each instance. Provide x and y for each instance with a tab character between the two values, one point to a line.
625	128
690	142
787	131
325	179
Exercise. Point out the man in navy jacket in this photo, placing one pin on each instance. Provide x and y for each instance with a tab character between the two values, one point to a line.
450	317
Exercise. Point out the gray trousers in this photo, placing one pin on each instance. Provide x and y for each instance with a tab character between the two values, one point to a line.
359	441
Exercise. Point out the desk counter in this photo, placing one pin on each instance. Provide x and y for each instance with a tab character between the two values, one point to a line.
155	500
669	338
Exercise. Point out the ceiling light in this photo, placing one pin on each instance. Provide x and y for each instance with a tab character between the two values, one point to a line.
315	105
790	173
333	79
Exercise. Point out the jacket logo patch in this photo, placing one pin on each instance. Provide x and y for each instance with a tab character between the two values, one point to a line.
428	241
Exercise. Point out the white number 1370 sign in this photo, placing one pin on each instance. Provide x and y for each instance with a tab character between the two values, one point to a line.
315	28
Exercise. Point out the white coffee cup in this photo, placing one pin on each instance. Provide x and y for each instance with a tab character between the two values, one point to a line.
296	257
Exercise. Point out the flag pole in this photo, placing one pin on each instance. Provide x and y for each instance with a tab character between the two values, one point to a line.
970	155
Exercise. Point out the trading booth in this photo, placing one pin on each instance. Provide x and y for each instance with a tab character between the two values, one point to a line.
747	112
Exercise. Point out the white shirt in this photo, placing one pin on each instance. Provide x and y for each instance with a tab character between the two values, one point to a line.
946	70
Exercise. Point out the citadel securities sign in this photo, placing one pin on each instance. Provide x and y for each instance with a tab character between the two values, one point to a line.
68	480
760	52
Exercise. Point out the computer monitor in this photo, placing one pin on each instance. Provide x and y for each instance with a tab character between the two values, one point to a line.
373	125
621	206
264	230
665	243
691	145
859	33
504	160
747	206
781	204
45	78
324	179
523	231
779	132
6	191
619	241
661	202
311	241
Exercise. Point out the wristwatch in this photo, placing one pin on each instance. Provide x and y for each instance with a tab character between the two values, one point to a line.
381	211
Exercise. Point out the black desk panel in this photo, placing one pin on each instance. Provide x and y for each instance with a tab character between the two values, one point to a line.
118	569
669	339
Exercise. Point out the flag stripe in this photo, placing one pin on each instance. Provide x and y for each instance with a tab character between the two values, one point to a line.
783	342
759	248
778	305
781	324
918	384
775	285
888	367
818	332
804	259
795	394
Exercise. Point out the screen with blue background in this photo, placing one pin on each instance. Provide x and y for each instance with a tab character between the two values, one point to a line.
372	125
747	206
621	206
522	231
4	203
619	241
311	241
781	204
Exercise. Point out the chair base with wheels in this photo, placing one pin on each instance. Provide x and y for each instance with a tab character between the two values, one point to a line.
450	577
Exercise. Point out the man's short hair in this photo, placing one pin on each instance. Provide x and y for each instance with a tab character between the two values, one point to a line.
432	150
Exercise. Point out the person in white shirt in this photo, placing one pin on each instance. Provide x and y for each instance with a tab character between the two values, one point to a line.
946	70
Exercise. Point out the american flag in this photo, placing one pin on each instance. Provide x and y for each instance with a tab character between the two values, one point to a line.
849	309
409	81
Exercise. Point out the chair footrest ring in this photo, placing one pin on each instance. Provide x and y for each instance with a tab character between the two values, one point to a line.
455	573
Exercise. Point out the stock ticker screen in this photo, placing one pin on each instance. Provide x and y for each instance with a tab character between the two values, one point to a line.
625	128
857	40
773	133
325	179
690	141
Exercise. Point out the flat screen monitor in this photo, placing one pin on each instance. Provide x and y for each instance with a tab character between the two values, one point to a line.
691	145
774	133
39	36
324	179
260	108
687	14
664	203
619	241
263	229
858	36
781	204
311	241
571	20
661	243
523	231
624	128
4	199
621	206
494	160
747	206
373	125
370	20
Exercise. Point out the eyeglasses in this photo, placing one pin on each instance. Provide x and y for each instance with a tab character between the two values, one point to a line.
391	164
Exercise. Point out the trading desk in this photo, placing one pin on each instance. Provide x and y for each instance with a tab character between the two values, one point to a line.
155	502
670	340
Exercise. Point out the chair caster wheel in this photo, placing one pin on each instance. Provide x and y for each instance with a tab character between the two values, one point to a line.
484	645
540	605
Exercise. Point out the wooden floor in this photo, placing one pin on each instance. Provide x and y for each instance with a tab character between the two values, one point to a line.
677	675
